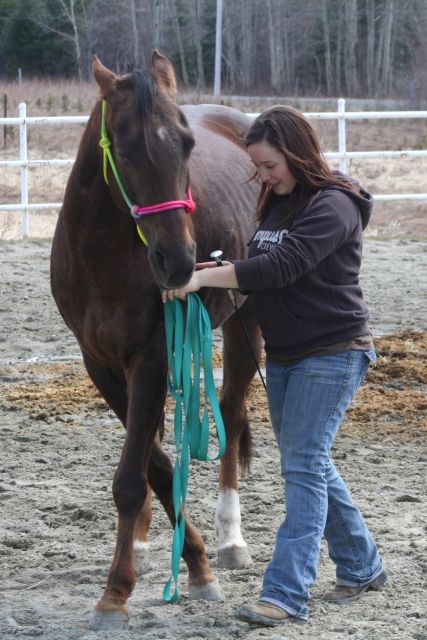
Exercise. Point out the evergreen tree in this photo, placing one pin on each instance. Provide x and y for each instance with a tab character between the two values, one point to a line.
26	45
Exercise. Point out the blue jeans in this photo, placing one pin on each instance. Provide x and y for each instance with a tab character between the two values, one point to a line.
307	402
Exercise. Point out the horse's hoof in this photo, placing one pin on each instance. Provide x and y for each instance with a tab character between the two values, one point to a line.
234	558
210	591
116	620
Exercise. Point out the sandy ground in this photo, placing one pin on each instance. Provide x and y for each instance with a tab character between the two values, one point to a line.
59	446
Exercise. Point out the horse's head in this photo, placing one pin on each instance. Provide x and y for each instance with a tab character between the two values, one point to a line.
151	144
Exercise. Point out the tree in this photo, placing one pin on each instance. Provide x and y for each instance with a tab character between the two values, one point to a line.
351	40
324	47
28	46
198	37
277	37
327	47
173	9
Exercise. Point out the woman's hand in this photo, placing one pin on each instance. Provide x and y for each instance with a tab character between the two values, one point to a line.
205	276
181	293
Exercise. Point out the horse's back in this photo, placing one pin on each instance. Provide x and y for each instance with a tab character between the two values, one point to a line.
227	122
220	175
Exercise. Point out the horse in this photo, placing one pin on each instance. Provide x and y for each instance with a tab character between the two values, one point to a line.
107	285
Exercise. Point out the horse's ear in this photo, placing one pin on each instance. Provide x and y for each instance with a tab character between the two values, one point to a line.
164	74
105	78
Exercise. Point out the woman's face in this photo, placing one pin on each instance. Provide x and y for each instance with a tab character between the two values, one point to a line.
272	167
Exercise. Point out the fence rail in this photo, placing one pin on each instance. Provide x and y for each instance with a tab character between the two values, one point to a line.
342	155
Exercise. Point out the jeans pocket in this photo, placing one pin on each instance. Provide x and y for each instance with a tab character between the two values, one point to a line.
370	358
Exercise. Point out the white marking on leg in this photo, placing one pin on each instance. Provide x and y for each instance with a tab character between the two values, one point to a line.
141	552
227	520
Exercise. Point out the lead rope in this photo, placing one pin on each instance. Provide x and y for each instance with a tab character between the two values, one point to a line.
189	351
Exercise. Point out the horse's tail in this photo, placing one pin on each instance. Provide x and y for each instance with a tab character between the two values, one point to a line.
245	450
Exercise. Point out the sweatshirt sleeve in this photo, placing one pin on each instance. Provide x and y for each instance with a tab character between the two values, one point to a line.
319	231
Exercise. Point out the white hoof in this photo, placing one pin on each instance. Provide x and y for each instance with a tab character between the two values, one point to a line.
109	620
210	591
234	558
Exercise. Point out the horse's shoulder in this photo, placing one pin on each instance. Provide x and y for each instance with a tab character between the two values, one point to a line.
224	121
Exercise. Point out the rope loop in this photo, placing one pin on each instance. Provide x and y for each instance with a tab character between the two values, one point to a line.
105	143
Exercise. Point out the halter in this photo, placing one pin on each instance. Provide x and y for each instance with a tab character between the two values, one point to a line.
136	211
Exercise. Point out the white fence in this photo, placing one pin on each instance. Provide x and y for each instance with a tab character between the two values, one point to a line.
341	116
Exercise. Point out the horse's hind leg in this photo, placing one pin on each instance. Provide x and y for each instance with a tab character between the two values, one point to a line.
112	387
239	369
203	584
141	544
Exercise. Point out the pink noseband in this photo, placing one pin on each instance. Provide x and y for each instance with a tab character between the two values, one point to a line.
189	205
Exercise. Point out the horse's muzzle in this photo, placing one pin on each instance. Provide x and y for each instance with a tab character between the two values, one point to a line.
172	267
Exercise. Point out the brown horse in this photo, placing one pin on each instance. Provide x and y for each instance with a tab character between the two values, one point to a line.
107	283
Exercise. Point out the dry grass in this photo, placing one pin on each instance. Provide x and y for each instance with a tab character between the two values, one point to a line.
390	405
61	141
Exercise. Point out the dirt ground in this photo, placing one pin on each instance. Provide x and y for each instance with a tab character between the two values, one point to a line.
59	446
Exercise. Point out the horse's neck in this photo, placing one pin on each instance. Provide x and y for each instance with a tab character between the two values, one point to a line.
88	205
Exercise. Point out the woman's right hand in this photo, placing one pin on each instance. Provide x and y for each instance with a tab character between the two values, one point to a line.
192	286
205	276
210	265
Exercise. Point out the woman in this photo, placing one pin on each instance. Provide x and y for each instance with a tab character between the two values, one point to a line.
303	270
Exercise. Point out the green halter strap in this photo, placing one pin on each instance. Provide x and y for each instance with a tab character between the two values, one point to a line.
107	158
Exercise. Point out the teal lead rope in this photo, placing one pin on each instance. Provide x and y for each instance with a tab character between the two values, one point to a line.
189	351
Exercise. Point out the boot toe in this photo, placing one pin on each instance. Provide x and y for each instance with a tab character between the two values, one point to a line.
263	613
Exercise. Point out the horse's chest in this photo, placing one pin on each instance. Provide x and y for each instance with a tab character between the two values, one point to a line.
113	334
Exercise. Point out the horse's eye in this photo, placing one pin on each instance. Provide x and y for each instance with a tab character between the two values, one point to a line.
188	143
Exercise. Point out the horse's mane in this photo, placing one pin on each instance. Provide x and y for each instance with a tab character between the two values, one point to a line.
144	93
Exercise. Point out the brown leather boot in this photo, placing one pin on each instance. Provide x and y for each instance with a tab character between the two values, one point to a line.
265	614
342	594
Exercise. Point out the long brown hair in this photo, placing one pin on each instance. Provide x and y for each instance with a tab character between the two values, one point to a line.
289	131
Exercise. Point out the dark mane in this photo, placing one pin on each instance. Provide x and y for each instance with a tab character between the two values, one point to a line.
144	94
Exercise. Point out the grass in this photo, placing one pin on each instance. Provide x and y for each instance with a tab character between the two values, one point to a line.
69	97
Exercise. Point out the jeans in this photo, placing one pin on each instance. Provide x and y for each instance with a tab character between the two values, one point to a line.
307	402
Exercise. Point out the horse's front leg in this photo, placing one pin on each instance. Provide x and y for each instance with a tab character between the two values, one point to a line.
239	369
146	393
113	388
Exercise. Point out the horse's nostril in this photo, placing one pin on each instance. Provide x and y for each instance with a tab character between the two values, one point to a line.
172	267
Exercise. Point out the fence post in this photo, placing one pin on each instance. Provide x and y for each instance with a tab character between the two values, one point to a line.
341	134
23	155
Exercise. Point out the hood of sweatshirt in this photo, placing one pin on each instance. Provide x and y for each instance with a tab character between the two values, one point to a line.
362	198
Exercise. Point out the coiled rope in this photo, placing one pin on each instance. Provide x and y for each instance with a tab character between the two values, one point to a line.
189	351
